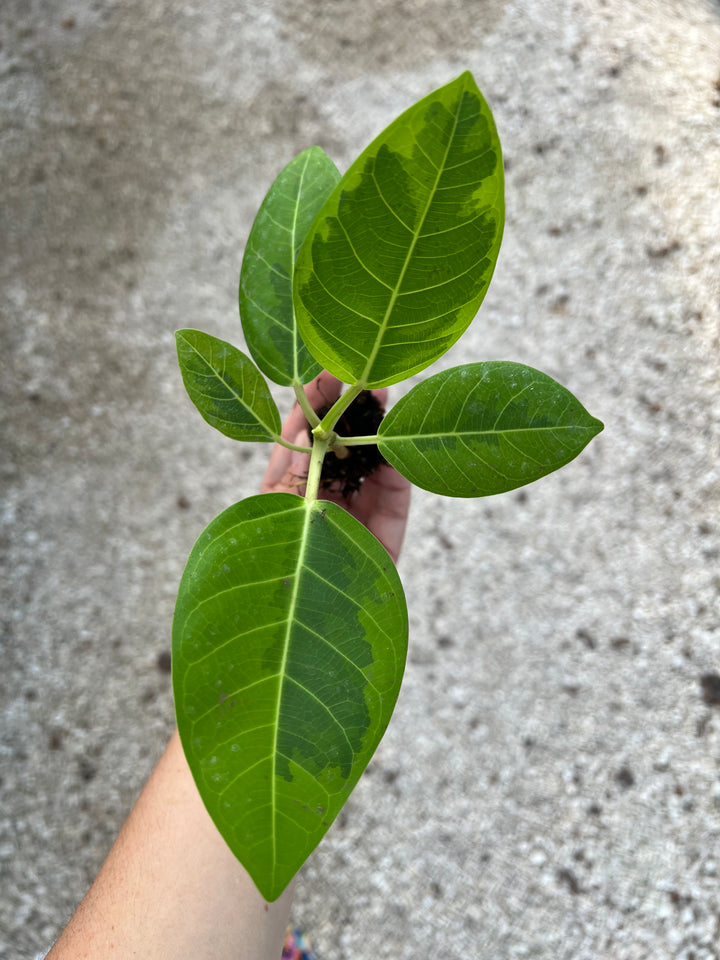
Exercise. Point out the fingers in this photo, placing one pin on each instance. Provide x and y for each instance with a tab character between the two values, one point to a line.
288	469
323	390
387	495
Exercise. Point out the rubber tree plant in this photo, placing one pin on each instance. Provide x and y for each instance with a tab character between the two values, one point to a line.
290	628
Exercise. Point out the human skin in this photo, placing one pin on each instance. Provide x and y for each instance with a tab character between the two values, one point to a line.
170	888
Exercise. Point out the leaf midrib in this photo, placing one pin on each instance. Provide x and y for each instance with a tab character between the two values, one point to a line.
477	433
416	236
299	564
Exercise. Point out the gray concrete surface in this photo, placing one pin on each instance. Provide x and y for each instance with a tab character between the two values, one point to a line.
550	784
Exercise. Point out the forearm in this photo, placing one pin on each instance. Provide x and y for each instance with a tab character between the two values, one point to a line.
170	887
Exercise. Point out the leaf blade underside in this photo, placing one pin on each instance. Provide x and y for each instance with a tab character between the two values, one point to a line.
265	294
484	428
226	387
289	643
399	258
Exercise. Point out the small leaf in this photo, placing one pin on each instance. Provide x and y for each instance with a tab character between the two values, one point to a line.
484	428
289	644
399	258
226	387
266	307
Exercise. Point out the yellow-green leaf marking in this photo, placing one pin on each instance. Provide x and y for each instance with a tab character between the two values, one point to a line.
399	258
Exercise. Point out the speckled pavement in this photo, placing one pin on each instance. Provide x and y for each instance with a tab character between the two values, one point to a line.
549	786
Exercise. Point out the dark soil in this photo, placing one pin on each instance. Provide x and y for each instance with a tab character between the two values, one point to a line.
362	418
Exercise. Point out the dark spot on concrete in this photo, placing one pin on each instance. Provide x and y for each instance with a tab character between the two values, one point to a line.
658	251
586	638
619	643
445	542
678	899
652	406
436	890
710	688
67	23
86	770
660	155
183	502
31	694
625	778
55	740
565	877
521	496
559	304
163	661
543	147
445	642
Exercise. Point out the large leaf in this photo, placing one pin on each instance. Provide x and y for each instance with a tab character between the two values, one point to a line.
289	644
266	307
398	261
226	387
484	428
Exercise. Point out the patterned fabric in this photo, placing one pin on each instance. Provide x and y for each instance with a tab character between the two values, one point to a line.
297	947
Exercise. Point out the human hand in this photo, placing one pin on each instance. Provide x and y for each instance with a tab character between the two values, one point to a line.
381	503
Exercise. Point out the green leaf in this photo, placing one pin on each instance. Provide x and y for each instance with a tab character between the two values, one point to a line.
399	258
289	643
226	387
484	428
266	307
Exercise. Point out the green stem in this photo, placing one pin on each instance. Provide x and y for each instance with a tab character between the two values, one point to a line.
312	418
292	446
357	441
316	461
327	424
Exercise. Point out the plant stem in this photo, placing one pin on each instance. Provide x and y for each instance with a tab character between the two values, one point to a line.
316	461
326	425
292	446
357	441
312	418
323	434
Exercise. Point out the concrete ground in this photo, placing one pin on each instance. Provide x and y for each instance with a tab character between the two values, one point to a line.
550	784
